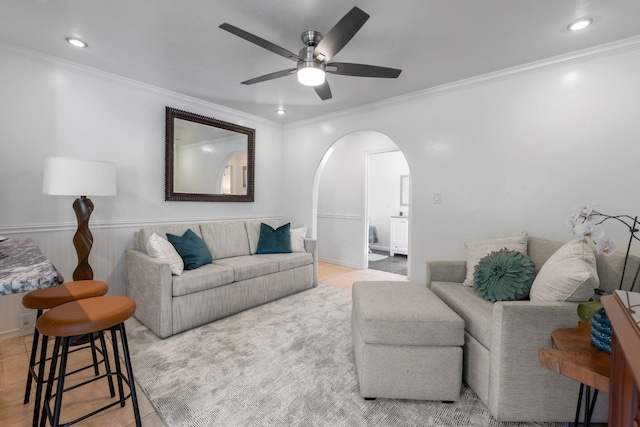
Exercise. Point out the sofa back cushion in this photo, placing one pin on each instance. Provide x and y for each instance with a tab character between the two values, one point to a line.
609	267
610	271
225	239
540	250
162	230
253	230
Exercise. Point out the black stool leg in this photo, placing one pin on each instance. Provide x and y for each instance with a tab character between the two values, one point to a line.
132	383
32	360
40	380
52	375
107	366
94	355
60	389
117	362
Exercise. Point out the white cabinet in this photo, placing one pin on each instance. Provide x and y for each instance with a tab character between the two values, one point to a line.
399	235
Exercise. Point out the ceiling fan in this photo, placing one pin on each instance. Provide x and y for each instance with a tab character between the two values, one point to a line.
313	59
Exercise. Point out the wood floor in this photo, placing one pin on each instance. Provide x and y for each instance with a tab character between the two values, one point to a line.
14	360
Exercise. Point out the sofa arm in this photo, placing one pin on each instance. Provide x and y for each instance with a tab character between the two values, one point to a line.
446	271
519	387
149	282
311	246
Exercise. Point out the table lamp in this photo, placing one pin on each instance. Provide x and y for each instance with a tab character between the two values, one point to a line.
64	176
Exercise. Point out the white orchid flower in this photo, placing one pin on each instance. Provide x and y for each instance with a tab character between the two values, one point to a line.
605	246
583	211
588	229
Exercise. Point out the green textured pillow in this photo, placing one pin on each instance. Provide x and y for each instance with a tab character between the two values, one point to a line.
191	248
274	241
504	276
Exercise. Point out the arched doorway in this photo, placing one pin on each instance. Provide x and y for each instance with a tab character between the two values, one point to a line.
340	198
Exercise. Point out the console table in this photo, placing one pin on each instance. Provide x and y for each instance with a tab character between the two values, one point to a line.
24	268
623	309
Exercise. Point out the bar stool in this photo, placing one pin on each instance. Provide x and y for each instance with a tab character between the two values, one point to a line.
87	316
46	299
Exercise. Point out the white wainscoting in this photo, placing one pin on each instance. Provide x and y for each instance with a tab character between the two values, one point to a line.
341	239
56	243
110	241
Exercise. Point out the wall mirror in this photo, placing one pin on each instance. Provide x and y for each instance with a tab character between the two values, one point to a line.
208	160
404	190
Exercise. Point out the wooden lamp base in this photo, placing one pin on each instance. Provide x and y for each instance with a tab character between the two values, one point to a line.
83	239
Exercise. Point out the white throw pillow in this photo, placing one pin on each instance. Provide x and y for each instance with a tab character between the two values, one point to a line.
160	248
480	249
570	274
297	239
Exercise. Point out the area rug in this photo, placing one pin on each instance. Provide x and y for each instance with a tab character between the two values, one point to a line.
392	264
376	257
285	363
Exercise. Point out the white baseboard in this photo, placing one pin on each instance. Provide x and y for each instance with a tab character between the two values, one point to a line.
339	262
7	335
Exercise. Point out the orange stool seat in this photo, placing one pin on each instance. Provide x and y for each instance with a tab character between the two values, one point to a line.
44	299
80	317
86	316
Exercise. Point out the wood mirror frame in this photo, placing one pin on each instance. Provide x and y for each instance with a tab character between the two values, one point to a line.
248	172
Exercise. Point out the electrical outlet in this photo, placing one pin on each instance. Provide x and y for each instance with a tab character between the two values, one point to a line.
27	321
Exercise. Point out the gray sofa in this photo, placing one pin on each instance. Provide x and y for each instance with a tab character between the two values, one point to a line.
237	279
502	340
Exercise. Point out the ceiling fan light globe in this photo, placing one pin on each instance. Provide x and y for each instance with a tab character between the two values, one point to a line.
311	76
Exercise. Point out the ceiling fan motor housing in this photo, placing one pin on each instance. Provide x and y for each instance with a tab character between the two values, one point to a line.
311	37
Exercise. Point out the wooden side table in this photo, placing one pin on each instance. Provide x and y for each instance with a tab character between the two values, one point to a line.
572	355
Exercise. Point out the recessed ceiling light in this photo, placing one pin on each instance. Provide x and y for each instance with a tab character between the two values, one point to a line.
73	41
280	112
580	24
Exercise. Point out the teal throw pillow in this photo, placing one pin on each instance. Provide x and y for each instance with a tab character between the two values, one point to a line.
504	276
191	248
274	241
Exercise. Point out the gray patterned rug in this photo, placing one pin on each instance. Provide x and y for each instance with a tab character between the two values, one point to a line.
286	363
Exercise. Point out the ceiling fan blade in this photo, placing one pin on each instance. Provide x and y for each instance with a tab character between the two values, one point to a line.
260	42
362	70
270	76
340	34
323	91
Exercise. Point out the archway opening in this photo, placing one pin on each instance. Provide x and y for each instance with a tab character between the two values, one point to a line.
340	198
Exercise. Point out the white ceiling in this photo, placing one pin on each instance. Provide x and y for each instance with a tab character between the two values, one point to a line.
177	45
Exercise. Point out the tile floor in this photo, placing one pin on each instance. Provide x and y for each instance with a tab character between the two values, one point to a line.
14	360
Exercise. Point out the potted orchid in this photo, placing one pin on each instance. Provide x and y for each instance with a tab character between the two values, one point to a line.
586	222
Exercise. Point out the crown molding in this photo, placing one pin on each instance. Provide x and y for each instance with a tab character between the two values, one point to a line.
125	81
584	55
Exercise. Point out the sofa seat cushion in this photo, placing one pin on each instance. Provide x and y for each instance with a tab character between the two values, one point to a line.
475	310
289	261
401	313
225	238
202	278
249	266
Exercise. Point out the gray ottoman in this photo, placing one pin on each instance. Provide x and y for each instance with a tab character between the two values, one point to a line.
407	343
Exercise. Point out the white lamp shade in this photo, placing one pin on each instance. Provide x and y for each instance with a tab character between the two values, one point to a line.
64	176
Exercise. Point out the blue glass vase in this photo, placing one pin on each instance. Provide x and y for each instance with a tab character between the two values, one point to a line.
601	331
